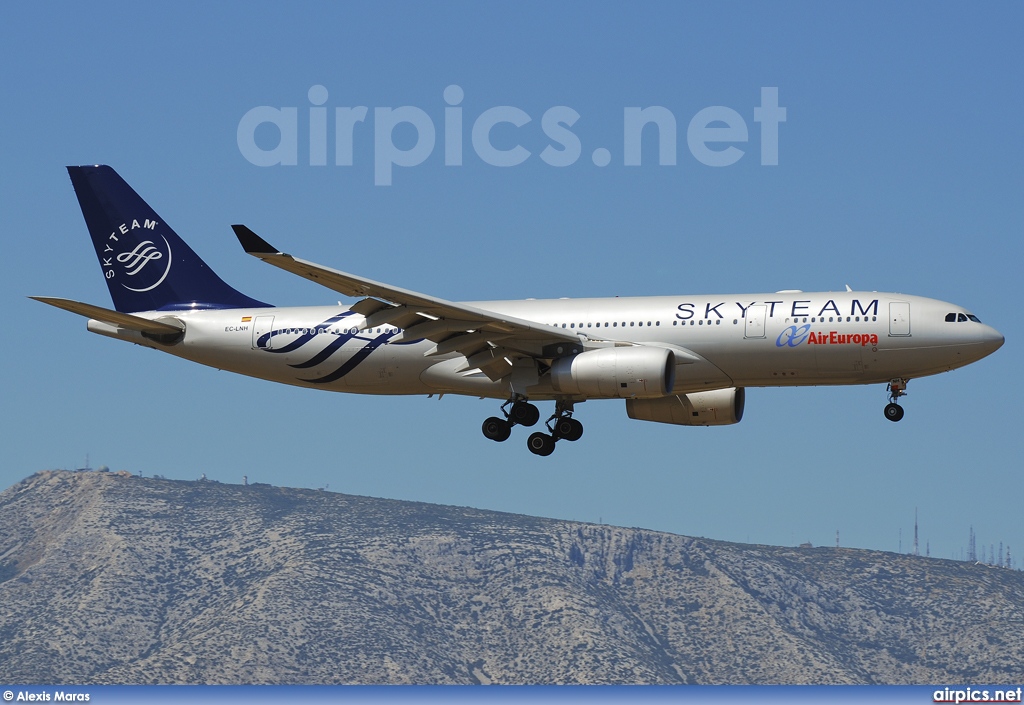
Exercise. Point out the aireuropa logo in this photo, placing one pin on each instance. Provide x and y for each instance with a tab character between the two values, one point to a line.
711	135
792	336
136	260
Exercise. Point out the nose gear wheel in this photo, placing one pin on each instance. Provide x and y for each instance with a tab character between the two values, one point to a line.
897	388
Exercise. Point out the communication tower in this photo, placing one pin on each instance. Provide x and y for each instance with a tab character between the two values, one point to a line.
916	553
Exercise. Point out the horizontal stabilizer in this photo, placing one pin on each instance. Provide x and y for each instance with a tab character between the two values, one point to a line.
125	320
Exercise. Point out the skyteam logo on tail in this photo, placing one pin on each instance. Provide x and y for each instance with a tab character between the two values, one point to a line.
135	256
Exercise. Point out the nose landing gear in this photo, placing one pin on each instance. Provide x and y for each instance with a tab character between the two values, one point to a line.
897	388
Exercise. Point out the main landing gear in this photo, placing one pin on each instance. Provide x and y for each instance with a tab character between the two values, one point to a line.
897	388
522	413
561	425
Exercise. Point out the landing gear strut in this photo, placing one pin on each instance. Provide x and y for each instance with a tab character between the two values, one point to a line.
897	388
522	413
561	425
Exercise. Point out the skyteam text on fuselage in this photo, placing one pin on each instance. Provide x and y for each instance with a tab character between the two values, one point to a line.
682	360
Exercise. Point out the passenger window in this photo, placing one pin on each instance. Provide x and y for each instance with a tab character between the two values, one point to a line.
950	317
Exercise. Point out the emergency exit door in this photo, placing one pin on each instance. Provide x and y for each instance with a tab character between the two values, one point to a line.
262	328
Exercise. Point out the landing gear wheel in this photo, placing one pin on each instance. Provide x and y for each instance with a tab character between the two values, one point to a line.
897	388
568	428
541	443
497	429
893	411
524	414
577	431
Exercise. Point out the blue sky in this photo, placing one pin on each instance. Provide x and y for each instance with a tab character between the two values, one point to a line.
900	169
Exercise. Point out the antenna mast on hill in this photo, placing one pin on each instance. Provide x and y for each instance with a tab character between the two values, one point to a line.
916	553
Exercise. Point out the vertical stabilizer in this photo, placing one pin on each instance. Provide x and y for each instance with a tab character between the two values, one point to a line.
146	265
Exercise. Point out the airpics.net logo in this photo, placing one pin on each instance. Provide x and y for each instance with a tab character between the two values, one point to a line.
716	136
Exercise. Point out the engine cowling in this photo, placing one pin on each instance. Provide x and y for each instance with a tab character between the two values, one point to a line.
718	407
637	372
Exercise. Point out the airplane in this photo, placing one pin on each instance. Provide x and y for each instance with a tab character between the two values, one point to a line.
683	360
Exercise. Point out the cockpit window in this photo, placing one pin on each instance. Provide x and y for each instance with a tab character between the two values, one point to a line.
961	318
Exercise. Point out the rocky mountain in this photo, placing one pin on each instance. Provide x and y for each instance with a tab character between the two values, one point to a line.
109	578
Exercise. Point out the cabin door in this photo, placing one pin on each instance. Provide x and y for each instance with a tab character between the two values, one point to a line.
899	318
753	325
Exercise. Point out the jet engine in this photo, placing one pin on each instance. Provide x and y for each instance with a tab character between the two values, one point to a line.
636	372
718	407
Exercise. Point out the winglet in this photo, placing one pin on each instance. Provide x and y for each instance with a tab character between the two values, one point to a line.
252	243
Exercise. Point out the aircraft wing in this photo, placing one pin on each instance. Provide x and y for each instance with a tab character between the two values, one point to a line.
489	340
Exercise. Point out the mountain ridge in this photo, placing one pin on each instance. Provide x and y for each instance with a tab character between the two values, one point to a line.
111	578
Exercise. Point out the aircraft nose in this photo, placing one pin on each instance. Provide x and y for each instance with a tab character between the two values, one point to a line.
991	339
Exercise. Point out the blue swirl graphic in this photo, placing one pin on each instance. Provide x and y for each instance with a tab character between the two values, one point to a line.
353	361
793	336
309	334
264	339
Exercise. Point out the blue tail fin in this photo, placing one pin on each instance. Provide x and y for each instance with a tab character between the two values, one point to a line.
147	266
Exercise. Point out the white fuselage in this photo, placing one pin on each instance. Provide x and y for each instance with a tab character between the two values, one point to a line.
750	340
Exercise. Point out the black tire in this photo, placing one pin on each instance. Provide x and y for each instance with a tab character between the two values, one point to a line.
576	431
562	427
524	414
893	412
540	443
568	428
496	429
